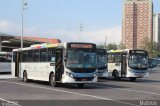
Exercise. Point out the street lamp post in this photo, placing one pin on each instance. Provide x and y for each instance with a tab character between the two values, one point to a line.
24	6
22	25
81	29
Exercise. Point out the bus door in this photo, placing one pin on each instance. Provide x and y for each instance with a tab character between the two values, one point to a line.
123	65
17	65
59	64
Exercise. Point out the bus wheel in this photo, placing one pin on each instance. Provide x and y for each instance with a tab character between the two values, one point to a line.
132	79
25	79
116	75
80	85
52	81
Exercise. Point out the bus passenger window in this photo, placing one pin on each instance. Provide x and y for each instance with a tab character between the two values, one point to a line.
51	54
36	56
30	56
43	55
25	56
2	59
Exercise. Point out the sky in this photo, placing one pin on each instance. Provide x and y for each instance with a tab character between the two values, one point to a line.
61	19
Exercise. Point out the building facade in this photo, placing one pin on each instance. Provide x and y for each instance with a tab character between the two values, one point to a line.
156	30
137	23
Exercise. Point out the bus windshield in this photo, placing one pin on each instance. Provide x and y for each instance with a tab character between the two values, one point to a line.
138	61
102	61
81	59
5	58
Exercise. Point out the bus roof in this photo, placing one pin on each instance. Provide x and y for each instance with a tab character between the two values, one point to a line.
117	51
126	51
39	46
5	53
45	45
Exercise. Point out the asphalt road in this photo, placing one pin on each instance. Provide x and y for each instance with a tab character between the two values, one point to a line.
106	92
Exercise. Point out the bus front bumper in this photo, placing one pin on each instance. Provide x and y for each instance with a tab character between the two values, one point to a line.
137	73
68	79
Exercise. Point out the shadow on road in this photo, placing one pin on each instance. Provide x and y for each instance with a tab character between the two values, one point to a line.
74	86
148	81
144	80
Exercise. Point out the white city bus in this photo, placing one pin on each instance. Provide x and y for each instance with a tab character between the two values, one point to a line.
5	62
102	63
130	64
57	63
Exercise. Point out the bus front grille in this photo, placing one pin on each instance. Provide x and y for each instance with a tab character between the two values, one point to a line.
83	78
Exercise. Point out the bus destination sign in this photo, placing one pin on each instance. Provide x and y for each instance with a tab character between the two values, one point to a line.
85	46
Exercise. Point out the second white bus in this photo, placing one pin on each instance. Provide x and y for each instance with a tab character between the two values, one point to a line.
130	64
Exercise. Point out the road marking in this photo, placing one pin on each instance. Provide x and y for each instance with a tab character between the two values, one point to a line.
141	91
75	93
129	90
8	102
138	84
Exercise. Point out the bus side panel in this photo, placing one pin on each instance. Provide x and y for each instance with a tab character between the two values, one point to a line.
112	67
5	66
29	68
38	71
44	70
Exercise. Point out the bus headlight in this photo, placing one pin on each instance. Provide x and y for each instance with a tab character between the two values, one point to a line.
69	74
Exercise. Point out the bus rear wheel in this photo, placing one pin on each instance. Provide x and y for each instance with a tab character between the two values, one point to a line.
116	75
132	79
52	81
25	77
80	85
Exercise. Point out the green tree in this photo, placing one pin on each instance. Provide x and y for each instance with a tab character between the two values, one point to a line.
101	46
151	47
121	46
110	46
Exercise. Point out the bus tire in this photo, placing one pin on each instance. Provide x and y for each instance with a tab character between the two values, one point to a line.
116	75
25	77
133	79
80	85
52	81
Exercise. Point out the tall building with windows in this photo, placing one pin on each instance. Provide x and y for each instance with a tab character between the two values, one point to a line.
137	27
156	30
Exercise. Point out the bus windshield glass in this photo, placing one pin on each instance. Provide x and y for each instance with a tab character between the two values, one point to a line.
102	61
5	58
138	61
80	59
